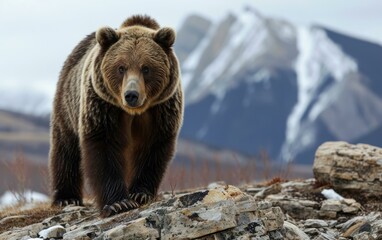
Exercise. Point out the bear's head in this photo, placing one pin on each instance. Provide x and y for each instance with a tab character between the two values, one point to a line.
137	64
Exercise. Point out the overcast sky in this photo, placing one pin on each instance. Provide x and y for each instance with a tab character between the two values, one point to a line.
37	35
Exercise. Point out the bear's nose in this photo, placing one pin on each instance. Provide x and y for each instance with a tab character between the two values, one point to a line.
131	98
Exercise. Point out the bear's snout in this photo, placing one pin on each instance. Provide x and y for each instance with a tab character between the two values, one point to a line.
131	98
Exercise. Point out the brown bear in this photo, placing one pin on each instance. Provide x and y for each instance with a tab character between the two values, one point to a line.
117	112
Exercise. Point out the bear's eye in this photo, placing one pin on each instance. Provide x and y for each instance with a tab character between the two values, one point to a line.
145	70
121	69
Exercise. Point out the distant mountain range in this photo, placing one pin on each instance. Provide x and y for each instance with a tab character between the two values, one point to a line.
253	82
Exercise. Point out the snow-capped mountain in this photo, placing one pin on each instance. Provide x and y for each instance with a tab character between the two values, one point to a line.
253	82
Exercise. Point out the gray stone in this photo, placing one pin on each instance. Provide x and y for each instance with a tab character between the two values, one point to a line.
377	227
83	232
362	236
296	209
326	236
273	218
136	229
315	223
293	232
273	189
327	214
199	221
331	205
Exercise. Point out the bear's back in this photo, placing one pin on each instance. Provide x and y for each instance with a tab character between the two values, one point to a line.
67	98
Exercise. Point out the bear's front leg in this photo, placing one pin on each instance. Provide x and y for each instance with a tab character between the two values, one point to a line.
103	166
151	164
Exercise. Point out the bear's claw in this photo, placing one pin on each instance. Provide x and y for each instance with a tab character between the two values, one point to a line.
66	202
141	198
119	207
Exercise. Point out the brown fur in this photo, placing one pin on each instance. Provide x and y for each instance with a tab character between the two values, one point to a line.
122	151
145	21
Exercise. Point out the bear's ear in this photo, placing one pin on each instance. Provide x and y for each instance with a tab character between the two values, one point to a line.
165	37
106	37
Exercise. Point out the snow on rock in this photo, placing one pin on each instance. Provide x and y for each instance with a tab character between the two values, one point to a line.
52	232
331	194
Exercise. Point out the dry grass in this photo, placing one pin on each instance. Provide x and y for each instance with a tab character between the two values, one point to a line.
20	174
193	173
15	216
275	180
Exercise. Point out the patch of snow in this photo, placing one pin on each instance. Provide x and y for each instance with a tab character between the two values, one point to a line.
10	198
331	194
193	60
215	107
286	31
202	132
245	43
261	75
56	231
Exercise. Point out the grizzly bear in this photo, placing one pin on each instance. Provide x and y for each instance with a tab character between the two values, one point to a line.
117	112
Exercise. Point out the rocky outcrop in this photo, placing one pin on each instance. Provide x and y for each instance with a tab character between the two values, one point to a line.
292	210
221	212
349	167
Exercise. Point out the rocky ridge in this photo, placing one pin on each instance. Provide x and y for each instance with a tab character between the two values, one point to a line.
279	209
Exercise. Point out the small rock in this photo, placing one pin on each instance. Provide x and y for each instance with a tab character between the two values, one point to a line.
52	232
348	201
315	223
311	231
273	218
354	229
346	225
136	229
264	205
273	189
331	205
293	232
350	209
327	214
362	236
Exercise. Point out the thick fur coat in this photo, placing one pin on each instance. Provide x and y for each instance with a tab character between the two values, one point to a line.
117	112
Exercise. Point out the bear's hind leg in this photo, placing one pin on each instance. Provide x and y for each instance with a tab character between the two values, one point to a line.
65	173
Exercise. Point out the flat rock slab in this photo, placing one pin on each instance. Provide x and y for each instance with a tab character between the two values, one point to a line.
199	221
